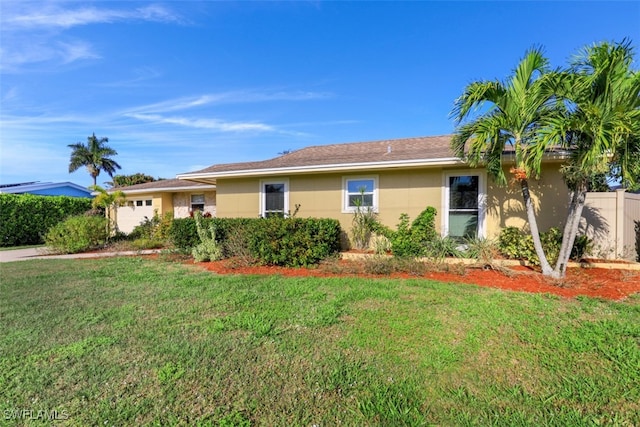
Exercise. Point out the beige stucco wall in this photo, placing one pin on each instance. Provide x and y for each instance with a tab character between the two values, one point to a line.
162	202
400	191
505	206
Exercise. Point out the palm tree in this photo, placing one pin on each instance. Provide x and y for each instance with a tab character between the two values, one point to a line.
601	126
511	117
109	201
95	156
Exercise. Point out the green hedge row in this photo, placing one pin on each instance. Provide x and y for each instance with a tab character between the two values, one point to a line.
25	218
270	241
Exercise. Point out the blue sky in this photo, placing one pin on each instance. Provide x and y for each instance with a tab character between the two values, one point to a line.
180	85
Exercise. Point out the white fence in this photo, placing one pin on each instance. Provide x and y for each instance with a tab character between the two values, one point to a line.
609	219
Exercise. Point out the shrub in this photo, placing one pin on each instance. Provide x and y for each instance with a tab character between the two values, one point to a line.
515	244
183	233
26	218
270	241
77	234
384	265
440	247
152	233
294	241
484	250
416	239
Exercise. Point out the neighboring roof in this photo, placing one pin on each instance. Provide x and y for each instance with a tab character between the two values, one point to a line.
420	151
173	185
35	187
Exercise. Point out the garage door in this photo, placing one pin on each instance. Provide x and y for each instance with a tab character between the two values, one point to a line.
133	213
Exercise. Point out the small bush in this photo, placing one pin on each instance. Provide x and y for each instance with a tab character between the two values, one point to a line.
418	238
77	234
515	244
152	233
384	265
481	249
440	247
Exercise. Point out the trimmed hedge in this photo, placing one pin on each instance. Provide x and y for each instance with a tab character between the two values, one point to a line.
271	241
26	218
294	242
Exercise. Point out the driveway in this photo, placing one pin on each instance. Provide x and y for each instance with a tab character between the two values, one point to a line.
40	253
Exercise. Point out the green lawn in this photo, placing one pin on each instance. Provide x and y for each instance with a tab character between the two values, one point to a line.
132	342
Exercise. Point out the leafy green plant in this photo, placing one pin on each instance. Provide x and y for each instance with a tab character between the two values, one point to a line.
294	241
482	249
77	234
152	233
413	239
515	244
208	249
169	373
26	218
362	225
381	245
110	203
440	247
385	265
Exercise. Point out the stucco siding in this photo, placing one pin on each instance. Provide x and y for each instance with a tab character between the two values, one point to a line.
401	191
550	196
238	198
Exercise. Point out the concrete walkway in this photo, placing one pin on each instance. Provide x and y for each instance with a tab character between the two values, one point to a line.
41	253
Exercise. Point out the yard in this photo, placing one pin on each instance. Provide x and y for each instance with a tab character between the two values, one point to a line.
133	341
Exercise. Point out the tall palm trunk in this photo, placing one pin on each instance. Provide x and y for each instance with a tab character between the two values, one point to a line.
535	233
576	206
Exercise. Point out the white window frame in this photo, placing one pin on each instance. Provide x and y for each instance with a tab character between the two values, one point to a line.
345	193
482	199
263	201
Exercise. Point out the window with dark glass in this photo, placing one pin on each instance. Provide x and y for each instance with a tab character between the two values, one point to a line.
274	199
463	206
197	202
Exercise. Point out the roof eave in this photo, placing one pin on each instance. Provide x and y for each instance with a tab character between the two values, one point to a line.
448	161
163	189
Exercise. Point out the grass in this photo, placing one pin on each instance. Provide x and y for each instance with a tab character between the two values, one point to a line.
129	341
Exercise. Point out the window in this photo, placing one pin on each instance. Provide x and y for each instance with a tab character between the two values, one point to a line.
197	202
360	192
464	206
148	202
138	202
274	198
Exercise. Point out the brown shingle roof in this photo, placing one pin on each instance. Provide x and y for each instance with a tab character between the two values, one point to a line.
161	185
393	150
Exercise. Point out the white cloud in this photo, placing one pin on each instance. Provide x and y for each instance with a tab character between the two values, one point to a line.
212	124
232	97
32	31
53	16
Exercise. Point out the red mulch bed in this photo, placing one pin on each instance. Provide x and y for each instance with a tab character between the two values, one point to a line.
613	284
